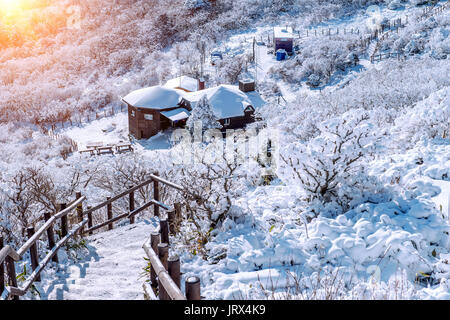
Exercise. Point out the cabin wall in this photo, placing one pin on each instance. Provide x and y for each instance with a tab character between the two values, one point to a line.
238	122
139	126
287	45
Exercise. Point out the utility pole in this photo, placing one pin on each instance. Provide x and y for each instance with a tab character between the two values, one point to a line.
255	60
254	42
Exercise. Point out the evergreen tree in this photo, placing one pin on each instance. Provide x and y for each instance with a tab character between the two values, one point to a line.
204	113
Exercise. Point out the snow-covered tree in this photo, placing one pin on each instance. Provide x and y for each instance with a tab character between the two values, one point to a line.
204	113
331	166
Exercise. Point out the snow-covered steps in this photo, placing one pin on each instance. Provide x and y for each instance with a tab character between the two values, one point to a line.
111	270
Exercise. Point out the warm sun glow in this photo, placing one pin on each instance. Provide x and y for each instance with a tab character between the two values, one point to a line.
8	6
10	10
22	21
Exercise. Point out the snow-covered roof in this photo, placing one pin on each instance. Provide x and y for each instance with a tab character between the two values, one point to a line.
176	114
226	100
183	82
283	32
156	97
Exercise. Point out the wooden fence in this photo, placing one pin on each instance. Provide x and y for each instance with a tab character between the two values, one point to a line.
165	275
80	119
9	256
393	26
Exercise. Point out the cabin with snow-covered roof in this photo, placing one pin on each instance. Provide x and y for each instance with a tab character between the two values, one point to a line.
232	107
283	38
151	110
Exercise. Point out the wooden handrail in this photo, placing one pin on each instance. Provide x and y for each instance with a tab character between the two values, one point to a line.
169	285
29	281
148	204
7	251
170	184
103	224
127	215
46	225
116	197
17	255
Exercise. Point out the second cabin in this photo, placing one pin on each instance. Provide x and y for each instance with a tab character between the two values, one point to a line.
283	38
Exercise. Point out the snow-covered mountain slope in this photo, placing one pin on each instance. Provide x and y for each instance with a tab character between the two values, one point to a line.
379	231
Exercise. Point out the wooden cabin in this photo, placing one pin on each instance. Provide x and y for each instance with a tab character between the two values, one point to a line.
151	110
154	109
233	108
283	38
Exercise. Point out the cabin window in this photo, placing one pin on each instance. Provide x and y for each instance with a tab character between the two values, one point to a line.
148	116
226	122
133	114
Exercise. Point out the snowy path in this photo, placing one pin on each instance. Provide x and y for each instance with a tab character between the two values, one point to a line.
111	270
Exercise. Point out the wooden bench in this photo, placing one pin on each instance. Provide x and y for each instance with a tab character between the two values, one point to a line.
105	150
94	145
90	150
124	147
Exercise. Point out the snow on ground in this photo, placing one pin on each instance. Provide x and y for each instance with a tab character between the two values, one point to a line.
112	130
110	269
398	239
404	237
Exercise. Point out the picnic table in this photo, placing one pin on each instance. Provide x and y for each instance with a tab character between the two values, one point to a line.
123	147
91	144
105	149
90	150
98	148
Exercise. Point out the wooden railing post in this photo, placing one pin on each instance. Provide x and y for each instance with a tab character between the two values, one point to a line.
79	210
154	241
164	230
192	288
2	270
156	195
178	215
89	219
171	219
12	279
131	204
109	213
163	255
174	270
64	225
33	253
51	237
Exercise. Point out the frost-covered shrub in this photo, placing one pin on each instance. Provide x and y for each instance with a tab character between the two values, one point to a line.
428	119
313	80
195	4
230	68
330	167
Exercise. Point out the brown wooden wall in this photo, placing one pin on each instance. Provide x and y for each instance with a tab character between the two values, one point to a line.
140	127
286	45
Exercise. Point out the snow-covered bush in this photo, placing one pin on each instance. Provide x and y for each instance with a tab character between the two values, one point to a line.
195	4
428	119
330	167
